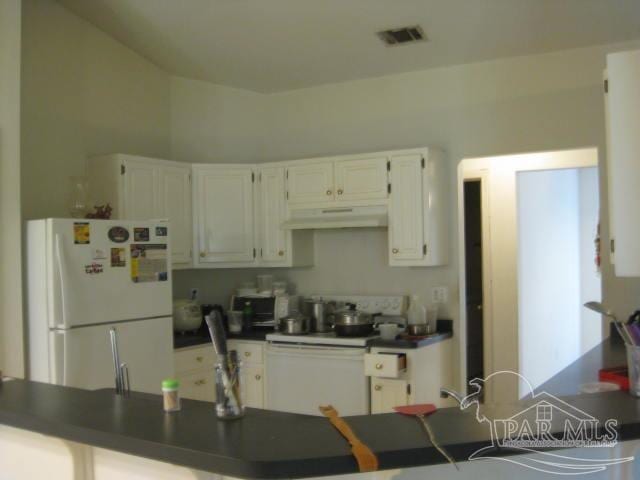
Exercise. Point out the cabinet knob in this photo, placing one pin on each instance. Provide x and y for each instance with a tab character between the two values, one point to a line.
395	250
379	366
258	377
247	354
203	254
377	388
281	253
328	192
340	191
199	359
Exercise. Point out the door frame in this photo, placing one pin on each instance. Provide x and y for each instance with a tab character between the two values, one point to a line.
500	272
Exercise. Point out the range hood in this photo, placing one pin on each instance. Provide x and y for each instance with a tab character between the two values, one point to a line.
337	217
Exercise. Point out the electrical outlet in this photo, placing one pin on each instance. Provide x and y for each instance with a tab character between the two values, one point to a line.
439	294
194	293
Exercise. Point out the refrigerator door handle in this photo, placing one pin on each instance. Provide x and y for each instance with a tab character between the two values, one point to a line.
59	362
62	273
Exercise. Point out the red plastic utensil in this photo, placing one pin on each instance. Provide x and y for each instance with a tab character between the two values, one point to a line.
421	411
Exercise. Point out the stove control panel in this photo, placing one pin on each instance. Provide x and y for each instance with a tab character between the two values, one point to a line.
384	304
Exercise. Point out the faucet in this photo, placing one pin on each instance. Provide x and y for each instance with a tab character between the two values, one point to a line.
463	401
448	393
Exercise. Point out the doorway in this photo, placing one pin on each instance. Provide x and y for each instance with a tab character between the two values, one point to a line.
474	279
488	188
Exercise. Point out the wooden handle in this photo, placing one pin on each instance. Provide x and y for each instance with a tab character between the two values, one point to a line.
342	426
367	460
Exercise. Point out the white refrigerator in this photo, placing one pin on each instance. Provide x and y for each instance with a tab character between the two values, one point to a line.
86	277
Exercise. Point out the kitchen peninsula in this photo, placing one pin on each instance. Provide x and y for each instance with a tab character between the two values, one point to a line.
97	434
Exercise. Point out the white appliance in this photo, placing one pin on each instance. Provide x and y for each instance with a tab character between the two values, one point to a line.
337	217
87	276
305	371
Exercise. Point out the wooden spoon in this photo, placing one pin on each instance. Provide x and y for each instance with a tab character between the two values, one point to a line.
367	460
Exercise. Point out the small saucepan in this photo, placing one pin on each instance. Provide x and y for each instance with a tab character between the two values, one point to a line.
294	325
352	323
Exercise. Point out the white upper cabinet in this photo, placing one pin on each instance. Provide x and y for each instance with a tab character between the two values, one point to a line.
278	247
405	208
271	213
351	180
175	204
623	159
361	179
141	188
310	183
223	206
418	227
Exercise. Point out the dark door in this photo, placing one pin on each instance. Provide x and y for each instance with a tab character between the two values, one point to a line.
473	271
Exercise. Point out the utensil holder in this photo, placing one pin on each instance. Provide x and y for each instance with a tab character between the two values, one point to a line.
633	363
228	390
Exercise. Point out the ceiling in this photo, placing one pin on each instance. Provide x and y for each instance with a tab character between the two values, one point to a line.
276	45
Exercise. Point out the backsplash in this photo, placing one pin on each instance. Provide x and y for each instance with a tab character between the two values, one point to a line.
347	261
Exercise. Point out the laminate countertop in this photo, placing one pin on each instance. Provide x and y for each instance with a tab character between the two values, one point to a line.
268	444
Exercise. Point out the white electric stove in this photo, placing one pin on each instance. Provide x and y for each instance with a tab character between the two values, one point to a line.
305	371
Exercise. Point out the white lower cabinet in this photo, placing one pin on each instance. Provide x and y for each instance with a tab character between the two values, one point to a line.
388	393
251	353
198	385
195	372
413	376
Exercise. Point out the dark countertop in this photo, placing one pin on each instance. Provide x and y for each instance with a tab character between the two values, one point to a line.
201	337
404	343
444	330
268	444
610	353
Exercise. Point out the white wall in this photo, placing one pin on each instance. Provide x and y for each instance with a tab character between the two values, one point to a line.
591	324
548	272
83	94
11	331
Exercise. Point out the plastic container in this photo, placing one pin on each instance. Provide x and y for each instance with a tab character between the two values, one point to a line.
432	317
279	288
388	331
633	364
235	321
170	395
265	284
417	313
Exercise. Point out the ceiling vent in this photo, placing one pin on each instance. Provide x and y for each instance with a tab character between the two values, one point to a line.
401	36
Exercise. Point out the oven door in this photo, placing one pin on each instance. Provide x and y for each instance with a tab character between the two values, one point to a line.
300	378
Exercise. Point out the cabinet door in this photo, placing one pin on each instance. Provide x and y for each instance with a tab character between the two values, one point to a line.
386	394
406	234
623	104
253	385
198	385
140	190
223	201
311	183
175	204
362	179
271	214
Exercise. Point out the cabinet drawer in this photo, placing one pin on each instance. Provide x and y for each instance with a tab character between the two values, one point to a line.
248	352
198	385
389	365
194	358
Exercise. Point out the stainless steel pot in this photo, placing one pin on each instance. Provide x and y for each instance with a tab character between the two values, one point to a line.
352	323
320	315
294	325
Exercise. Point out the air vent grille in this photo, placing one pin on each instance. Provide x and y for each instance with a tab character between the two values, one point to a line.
401	36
